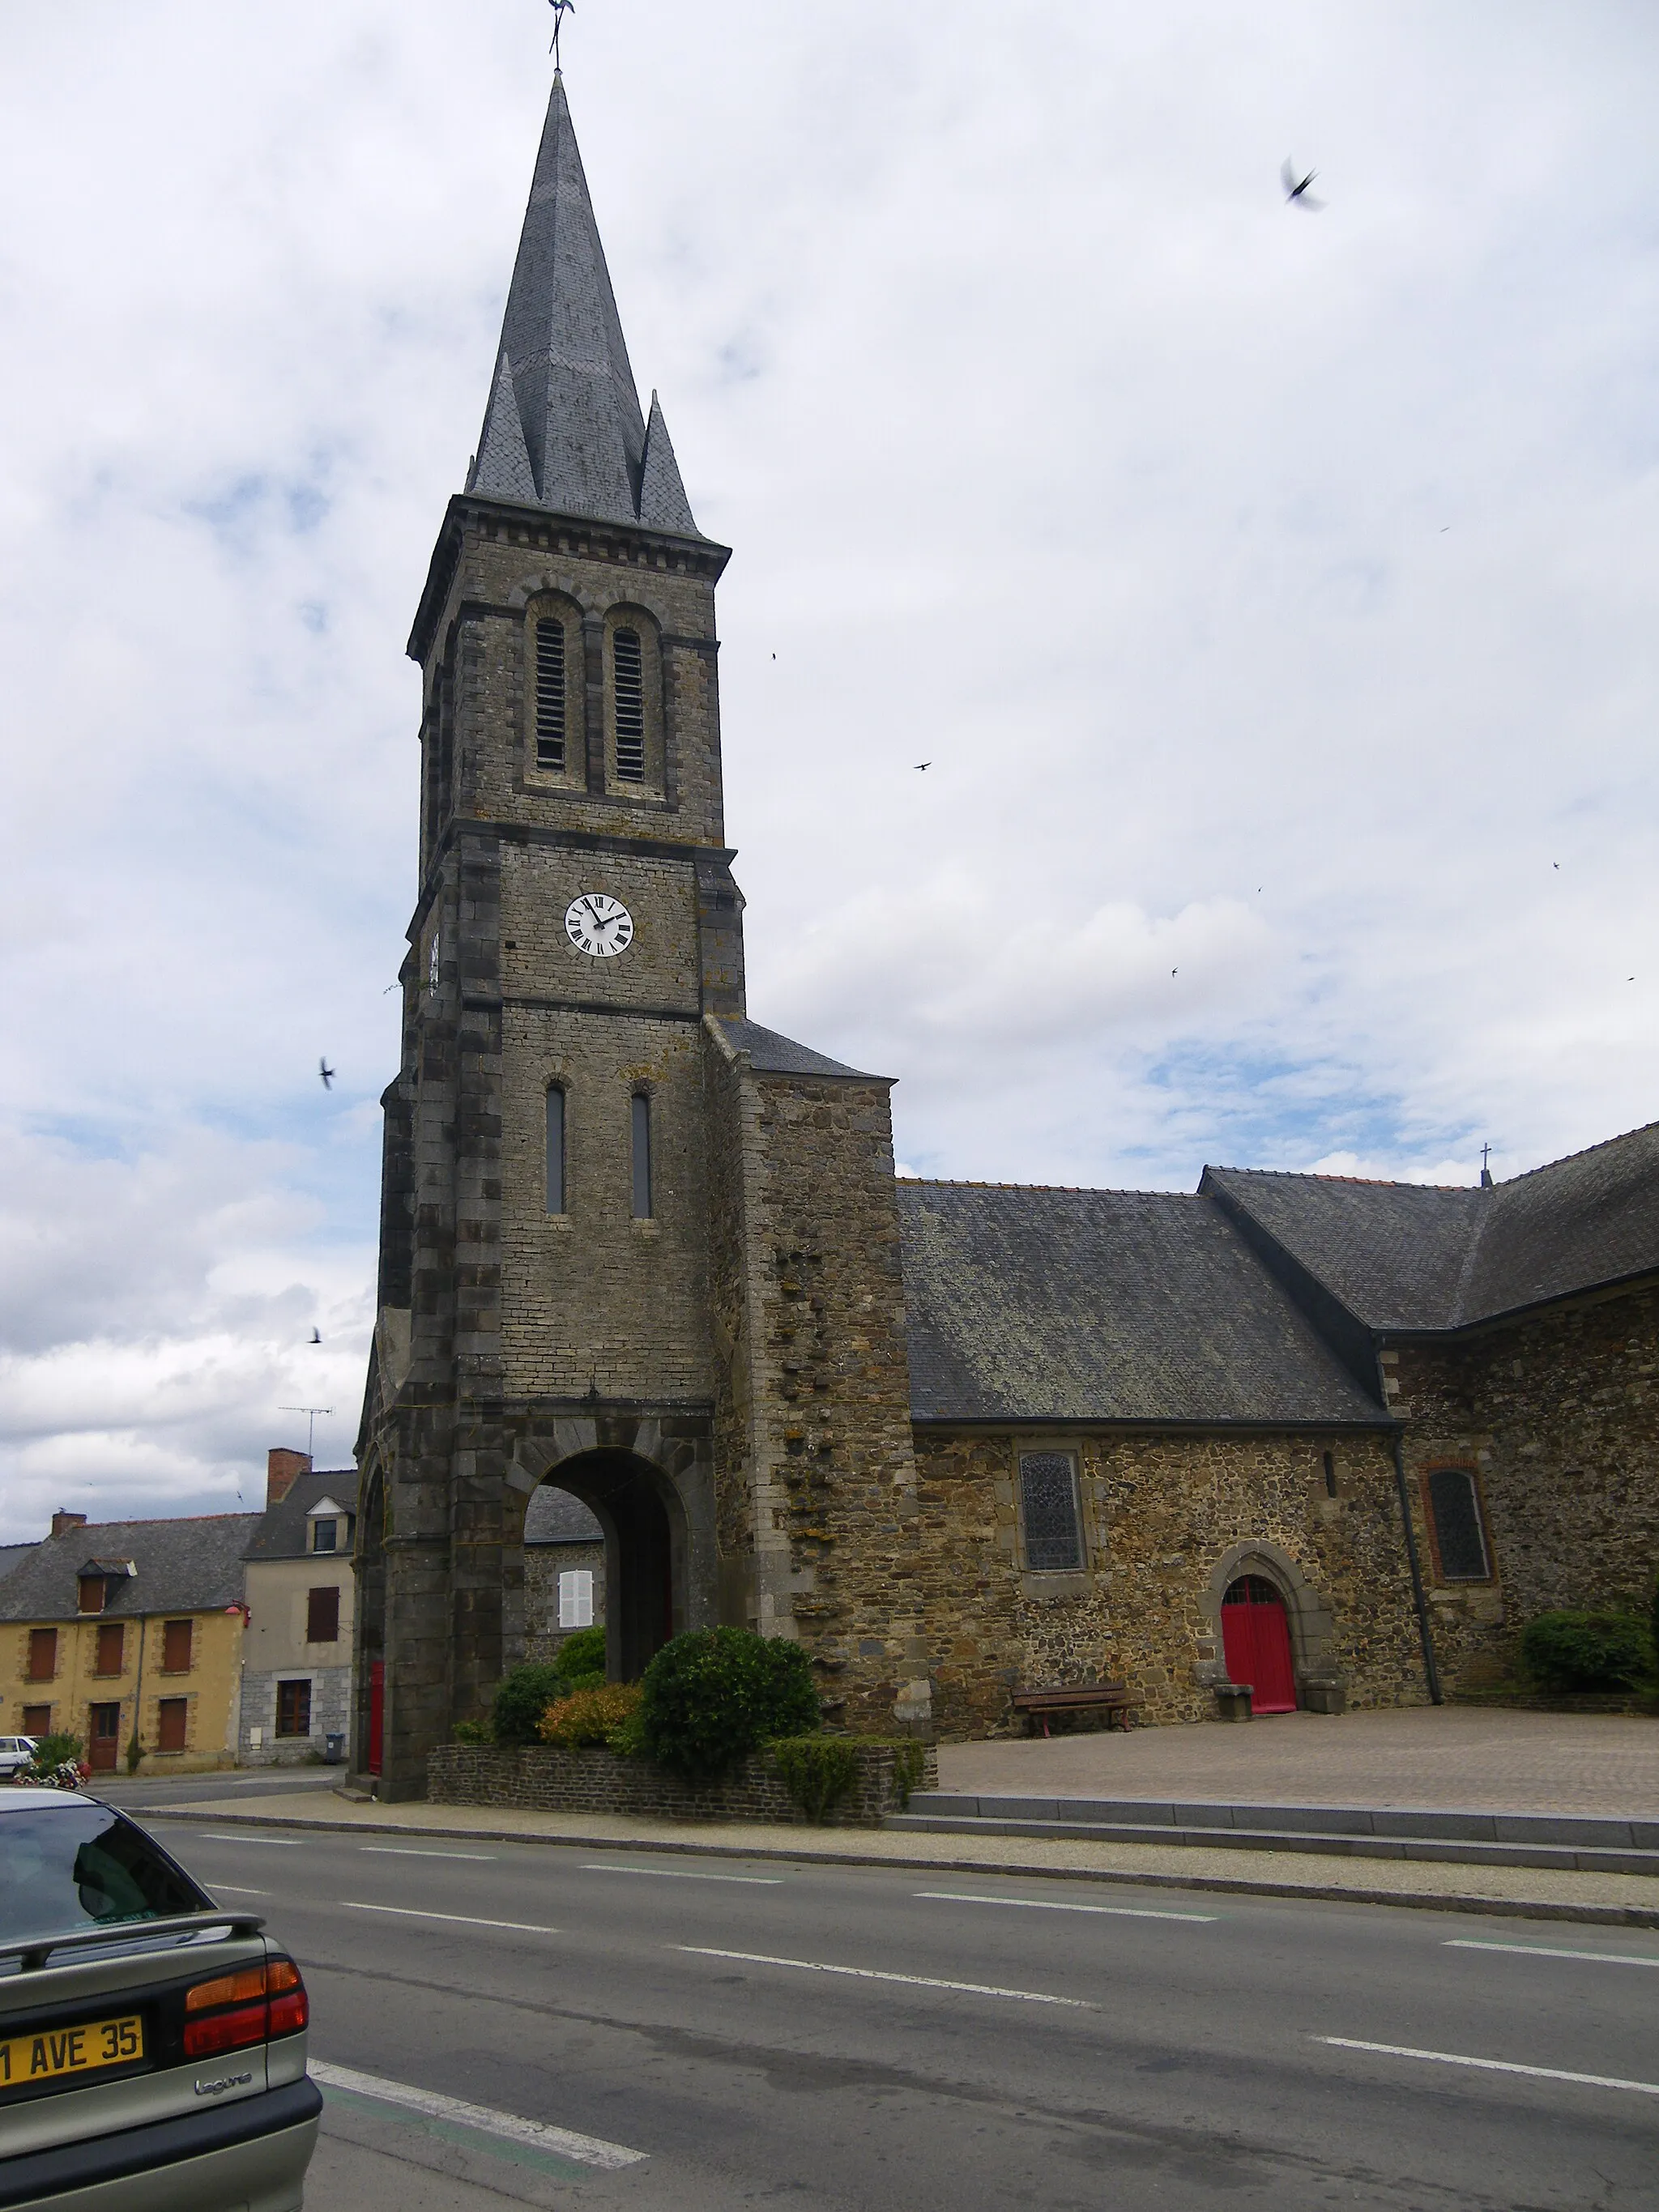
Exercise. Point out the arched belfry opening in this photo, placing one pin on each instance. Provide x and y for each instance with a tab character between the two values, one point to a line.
634	1512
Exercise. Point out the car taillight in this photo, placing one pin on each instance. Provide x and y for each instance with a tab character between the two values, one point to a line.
231	2022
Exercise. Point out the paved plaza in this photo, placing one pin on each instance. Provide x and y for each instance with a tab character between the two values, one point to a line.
1466	1757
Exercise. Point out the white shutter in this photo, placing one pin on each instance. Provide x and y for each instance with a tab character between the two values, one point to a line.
576	1598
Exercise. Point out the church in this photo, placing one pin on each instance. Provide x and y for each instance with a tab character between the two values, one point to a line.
1337	1439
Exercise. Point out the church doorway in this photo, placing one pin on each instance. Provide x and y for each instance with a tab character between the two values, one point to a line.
640	1587
1255	1641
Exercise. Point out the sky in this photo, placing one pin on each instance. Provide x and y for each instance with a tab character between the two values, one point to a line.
1270	589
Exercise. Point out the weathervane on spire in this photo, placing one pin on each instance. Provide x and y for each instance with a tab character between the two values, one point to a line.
561	9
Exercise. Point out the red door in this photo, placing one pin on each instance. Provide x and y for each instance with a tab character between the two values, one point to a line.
376	1713
1256	1639
105	1739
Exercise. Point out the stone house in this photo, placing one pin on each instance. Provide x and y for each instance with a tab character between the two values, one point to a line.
563	1572
296	1655
643	1251
109	1627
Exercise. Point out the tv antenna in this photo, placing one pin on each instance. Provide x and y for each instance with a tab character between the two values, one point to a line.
310	1425
561	9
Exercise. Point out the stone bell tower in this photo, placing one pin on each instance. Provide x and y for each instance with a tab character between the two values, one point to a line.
578	1235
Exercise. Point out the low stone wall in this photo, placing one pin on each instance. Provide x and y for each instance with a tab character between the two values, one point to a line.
540	1777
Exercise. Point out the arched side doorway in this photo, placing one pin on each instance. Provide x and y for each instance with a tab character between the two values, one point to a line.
643	1525
1256	1640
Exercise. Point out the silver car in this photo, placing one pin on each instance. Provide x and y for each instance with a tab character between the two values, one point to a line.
16	1753
152	2044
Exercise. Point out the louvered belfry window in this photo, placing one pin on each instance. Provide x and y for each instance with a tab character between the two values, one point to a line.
550	693
1460	1540
1048	1496
628	679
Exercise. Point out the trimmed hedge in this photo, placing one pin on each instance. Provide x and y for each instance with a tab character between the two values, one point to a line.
712	1696
524	1696
581	1660
1568	1649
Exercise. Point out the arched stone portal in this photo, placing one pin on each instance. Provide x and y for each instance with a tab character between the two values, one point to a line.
645	1554
1321	1685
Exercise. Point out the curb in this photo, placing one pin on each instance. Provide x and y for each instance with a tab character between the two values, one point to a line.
1513	1908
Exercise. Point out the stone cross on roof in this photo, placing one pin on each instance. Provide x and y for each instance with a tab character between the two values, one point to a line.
563	428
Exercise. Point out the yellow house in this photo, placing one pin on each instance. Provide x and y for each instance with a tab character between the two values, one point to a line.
115	1627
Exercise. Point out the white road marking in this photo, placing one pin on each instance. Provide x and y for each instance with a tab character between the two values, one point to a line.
586	2150
403	1851
1549	1951
1052	1905
873	1974
459	1919
231	1889
273	1842
1493	2065
685	1874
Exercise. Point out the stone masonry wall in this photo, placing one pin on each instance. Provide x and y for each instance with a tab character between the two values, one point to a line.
1558	1416
543	1565
1168	1520
544	1778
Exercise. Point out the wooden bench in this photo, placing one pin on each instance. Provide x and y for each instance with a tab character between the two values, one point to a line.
1111	1699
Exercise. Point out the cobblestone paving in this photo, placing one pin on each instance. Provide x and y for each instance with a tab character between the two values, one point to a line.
1447	1755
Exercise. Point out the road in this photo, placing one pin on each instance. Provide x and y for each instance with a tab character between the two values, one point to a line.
852	2039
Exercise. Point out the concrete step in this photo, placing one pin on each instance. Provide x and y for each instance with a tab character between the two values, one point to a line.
1577	1843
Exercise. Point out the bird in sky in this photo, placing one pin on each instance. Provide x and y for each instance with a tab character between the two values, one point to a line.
1296	189
316	1336
327	1074
924	764
1174	971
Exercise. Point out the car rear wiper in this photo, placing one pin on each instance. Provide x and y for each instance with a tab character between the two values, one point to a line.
32	1952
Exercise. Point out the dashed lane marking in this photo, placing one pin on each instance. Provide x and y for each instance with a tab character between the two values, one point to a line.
1492	2065
458	1919
260	1843
535	2136
684	1873
874	1974
1550	1951
233	1889
405	1851
1055	1904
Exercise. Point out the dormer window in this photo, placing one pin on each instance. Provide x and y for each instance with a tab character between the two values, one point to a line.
326	1520
95	1593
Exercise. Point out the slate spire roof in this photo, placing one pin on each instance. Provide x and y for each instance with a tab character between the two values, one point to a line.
563	428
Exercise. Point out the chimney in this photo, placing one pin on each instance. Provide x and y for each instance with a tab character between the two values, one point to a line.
62	1523
282	1470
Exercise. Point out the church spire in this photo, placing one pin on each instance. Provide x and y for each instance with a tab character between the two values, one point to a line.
563	428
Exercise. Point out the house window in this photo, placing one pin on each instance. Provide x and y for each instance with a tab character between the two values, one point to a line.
37	1720
576	1598
556	1150
1460	1537
43	1654
627	682
172	1723
1047	1496
323	1615
111	1649
641	1157
550	693
94	1591
176	1637
294	1708
325	1535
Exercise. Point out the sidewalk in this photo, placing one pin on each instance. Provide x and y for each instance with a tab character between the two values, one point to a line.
1621	1900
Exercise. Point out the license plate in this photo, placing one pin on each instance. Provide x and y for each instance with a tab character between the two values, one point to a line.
56	2051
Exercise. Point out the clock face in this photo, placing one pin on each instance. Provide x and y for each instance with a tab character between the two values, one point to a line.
601	926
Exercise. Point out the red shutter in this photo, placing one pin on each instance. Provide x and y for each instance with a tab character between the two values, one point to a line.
323	1615
111	1649
175	1649
171	1723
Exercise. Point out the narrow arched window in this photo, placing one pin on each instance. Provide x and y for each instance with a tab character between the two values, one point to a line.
550	693
628	691
1047	1504
1460	1536
641	1157
555	1151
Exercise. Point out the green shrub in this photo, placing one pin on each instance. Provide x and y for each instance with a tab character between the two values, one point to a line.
1573	1651
52	1751
524	1696
817	1770
714	1695
581	1660
593	1715
473	1732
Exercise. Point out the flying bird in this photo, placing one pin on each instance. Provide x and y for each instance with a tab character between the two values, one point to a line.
316	1336
1174	971
1296	189
924	764
327	1074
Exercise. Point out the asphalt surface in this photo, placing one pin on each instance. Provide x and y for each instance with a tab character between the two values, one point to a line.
1013	2042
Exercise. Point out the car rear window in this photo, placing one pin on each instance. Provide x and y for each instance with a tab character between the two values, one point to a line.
63	1868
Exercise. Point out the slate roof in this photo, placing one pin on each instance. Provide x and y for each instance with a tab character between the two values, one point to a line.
563	429
13	1555
1037	1305
280	1530
183	1567
554	1517
770	1054
1404	1258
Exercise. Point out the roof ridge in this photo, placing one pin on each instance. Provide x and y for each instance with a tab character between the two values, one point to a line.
1642	1129
1317	1175
156	1521
1069	1190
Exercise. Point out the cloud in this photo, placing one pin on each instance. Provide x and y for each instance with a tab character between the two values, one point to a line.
1271	595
